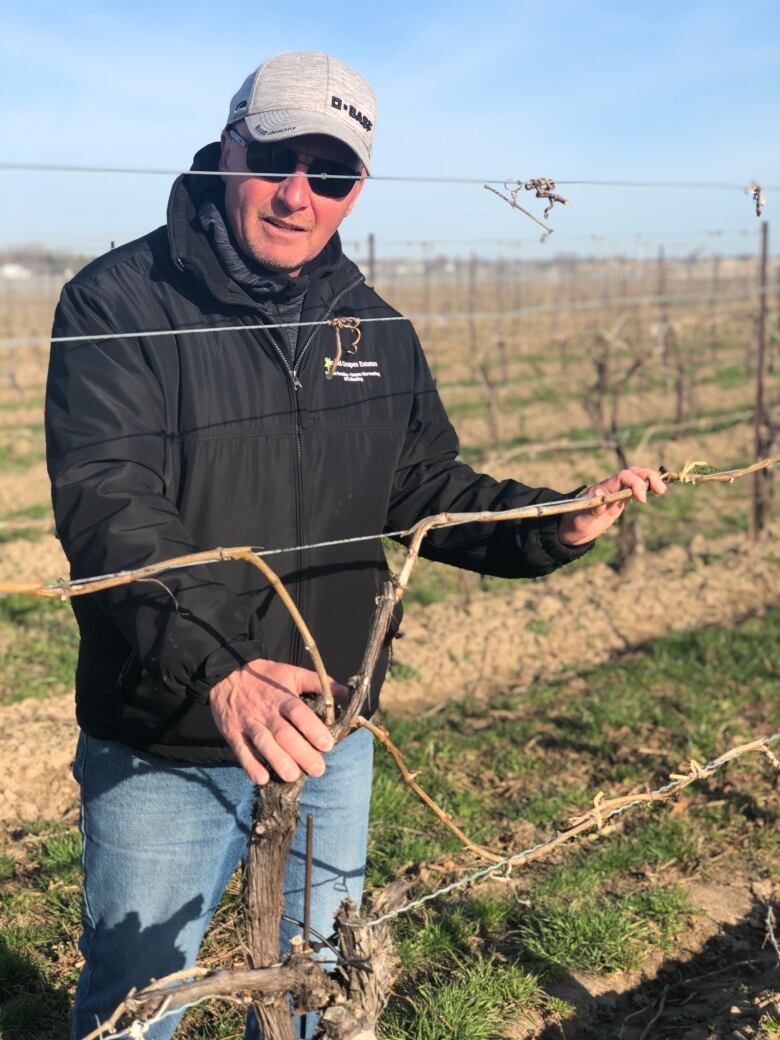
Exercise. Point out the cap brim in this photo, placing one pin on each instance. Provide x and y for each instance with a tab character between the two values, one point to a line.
282	124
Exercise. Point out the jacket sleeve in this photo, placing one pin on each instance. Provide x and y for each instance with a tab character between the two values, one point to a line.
106	446
429	479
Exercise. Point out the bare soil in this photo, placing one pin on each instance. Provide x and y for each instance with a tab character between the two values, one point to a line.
545	421
566	470
37	743
721	979
22	490
35	562
575	620
571	620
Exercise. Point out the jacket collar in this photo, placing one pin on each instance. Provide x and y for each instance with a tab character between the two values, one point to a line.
193	254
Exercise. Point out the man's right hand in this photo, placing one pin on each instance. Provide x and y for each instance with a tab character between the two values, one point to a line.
259	712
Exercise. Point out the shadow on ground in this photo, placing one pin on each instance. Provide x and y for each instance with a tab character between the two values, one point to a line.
721	991
30	1007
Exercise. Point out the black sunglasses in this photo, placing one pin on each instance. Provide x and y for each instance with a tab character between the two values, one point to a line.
275	162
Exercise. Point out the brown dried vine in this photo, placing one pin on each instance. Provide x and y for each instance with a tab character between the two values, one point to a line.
351	1010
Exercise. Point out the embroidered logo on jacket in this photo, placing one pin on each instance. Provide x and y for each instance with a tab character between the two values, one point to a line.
351	371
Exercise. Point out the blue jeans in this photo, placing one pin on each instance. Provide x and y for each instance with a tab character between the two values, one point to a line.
161	841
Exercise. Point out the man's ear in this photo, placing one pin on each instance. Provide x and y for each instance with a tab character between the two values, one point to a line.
355	193
224	144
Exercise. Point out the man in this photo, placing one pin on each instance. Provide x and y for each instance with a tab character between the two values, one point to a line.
188	688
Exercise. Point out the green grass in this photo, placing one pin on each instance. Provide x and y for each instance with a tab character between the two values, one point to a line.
665	689
598	908
533	373
39	920
632	434
593	937
31	534
59	855
538	627
399	670
768	1028
666	910
662	840
469	1002
603	934
510	772
728	376
475	406
39	640
22	402
41	511
28	534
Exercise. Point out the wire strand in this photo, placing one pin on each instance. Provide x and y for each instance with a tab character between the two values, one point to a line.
679	234
703	772
217	555
30	167
518	312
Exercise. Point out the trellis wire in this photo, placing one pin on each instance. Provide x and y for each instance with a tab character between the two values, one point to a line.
518	312
137	1029
29	167
517	857
524	512
680	234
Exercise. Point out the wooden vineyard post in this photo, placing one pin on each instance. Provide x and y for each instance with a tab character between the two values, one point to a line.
663	307
427	270
501	280
763	426
472	304
481	357
715	291
490	389
426	293
602	403
371	259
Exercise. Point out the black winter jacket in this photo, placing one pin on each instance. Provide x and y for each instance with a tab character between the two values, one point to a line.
160	446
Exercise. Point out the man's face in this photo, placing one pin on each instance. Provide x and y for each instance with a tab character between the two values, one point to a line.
283	224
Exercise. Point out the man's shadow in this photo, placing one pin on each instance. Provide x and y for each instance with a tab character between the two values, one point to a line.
32	1008
30	1005
690	996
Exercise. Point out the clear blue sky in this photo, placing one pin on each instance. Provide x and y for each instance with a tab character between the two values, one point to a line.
658	90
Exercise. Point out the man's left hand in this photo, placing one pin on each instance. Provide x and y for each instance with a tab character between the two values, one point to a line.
577	528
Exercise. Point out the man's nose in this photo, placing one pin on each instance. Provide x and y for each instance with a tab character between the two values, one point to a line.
294	191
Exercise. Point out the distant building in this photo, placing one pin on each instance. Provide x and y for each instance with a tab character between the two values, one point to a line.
14	272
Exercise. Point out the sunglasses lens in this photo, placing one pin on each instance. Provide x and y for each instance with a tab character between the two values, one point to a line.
275	160
337	188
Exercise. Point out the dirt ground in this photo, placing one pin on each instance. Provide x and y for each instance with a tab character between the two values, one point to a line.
42	561
22	490
571	620
722	972
575	620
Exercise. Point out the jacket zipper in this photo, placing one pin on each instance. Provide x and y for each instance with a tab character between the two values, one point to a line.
124	671
292	372
326	315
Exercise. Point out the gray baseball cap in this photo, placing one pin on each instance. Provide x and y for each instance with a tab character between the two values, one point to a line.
307	92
